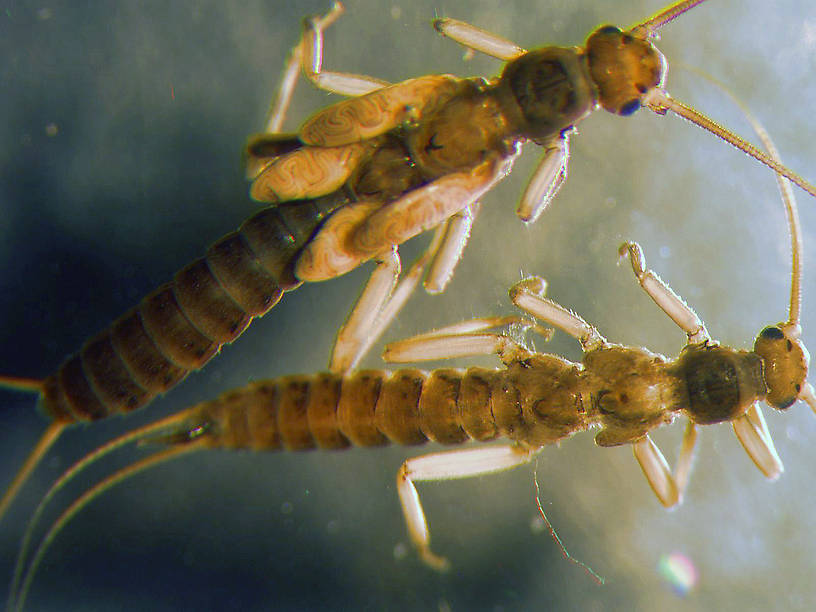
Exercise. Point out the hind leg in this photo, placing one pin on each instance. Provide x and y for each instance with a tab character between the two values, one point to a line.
307	56
383	298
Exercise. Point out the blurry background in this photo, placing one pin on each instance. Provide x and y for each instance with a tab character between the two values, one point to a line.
121	140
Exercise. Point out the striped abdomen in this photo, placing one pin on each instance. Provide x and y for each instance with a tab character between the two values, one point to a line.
184	323
372	408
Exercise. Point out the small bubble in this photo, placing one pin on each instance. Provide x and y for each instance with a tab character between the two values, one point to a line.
537	524
400	551
396	12
610	202
44	13
665	252
333	526
286	508
51	130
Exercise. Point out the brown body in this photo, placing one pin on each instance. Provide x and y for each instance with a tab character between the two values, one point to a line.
184	323
423	131
536	400
369	151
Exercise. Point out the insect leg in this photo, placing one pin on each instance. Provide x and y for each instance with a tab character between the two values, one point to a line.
547	179
478	39
464	340
448	466
307	55
341	83
381	300
447	250
277	111
529	296
753	434
668	488
443	254
353	338
668	301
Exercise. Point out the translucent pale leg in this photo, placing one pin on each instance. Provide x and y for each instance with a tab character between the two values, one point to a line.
529	296
753	434
663	295
547	179
381	300
307	55
348	346
450	347
464	340
808	396
454	235
447	466
478	39
668	488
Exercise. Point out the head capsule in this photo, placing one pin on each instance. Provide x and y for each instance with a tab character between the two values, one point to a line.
624	68
785	361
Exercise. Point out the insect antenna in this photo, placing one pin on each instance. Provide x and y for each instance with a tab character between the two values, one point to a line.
648	28
659	101
23	576
792	326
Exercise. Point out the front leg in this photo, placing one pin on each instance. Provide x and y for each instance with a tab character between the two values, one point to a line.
668	301
547	179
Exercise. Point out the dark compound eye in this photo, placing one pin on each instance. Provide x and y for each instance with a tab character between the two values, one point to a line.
771	333
610	29
629	108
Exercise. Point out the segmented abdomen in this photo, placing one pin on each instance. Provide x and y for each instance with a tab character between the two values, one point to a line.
367	408
183	324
